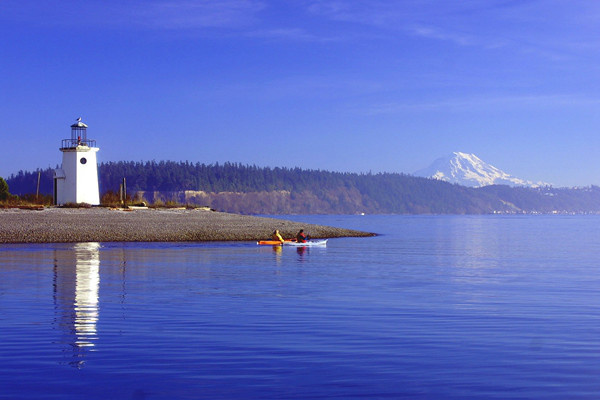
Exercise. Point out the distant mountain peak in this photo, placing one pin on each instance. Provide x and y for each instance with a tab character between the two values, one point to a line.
469	170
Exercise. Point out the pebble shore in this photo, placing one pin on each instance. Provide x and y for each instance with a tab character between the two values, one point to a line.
97	224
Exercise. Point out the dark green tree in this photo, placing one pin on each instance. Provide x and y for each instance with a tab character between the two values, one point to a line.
4	193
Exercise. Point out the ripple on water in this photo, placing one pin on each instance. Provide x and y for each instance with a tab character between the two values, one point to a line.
436	307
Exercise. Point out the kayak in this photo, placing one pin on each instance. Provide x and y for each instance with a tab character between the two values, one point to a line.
322	242
272	242
289	242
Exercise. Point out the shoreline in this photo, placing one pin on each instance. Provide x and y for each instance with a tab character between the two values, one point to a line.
97	224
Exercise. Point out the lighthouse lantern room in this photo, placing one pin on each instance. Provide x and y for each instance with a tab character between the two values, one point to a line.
76	181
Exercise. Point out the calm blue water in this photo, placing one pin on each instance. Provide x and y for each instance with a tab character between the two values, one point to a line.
440	307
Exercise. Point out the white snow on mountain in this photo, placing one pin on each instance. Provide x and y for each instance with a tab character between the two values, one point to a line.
469	170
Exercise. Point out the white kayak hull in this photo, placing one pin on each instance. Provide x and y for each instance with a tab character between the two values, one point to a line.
322	242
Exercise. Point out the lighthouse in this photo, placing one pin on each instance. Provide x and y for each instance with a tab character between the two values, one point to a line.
76	181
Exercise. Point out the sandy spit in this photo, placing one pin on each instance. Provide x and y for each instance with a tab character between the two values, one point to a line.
64	225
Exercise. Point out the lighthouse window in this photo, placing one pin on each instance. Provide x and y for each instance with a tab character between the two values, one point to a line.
83	160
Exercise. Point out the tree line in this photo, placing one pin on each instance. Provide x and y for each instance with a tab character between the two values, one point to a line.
251	189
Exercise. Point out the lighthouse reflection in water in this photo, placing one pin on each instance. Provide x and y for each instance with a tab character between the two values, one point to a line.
76	287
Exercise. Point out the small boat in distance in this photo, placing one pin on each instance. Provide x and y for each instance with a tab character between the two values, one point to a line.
312	242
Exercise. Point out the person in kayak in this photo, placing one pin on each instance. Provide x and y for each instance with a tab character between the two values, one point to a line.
277	236
301	237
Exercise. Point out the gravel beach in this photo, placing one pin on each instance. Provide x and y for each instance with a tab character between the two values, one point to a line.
56	225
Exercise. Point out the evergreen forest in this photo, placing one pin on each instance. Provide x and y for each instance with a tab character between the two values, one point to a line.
249	189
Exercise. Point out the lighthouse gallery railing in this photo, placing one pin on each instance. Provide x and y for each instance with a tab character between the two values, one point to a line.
73	143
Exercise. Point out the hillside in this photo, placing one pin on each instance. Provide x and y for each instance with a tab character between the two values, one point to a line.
255	190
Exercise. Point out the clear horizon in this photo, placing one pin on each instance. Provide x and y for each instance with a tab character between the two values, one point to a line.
348	86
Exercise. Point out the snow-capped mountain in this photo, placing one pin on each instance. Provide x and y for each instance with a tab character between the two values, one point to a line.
469	170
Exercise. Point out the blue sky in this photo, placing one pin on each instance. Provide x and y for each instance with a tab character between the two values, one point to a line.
343	85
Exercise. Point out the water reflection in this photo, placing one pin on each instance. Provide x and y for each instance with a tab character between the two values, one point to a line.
301	252
278	250
76	286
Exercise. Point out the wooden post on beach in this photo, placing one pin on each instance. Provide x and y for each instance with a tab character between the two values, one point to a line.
37	192
124	191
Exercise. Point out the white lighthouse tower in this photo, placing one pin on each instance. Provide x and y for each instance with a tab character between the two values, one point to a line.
77	179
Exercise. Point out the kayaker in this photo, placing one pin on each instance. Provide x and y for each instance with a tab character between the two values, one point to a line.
301	237
277	236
